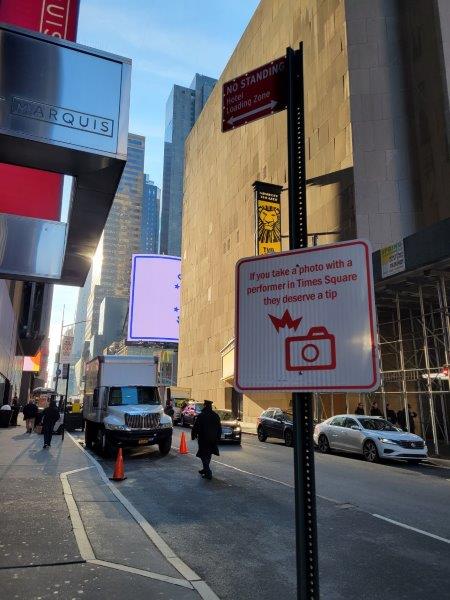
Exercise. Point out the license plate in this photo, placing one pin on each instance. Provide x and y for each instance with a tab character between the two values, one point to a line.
227	430
142	441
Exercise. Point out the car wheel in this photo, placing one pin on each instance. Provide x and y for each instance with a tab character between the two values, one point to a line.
289	438
414	461
165	446
323	444
182	421
370	452
262	437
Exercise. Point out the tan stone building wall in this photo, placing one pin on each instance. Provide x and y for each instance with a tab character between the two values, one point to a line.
219	211
359	165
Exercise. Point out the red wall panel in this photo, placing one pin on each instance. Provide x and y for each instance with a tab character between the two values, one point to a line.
29	192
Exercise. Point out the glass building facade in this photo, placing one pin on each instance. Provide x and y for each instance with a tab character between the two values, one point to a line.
183	107
121	238
151	199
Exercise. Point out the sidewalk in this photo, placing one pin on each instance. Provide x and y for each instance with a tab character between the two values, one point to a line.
248	427
66	532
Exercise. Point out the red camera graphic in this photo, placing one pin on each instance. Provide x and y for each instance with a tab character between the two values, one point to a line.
312	352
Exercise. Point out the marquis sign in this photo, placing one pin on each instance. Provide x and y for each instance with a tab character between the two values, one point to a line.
65	117
59	92
63	108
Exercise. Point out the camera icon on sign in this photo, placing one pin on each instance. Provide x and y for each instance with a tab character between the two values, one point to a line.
315	351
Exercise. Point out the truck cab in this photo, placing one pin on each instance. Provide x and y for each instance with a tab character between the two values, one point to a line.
122	406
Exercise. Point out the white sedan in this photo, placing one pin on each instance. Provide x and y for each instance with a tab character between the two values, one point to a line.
373	437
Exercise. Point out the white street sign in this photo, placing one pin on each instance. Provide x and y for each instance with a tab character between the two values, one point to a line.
306	320
66	349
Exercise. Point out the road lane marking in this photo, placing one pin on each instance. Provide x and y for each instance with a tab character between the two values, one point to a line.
192	580
289	485
84	545
142	573
332	500
431	535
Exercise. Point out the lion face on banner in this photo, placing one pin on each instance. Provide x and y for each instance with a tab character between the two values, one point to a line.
268	217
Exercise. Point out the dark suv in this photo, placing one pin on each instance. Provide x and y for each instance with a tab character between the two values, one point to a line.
276	423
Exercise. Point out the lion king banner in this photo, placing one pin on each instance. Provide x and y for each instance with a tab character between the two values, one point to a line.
268	217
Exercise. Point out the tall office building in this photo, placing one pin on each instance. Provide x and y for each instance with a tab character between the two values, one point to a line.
121	238
183	107
151	199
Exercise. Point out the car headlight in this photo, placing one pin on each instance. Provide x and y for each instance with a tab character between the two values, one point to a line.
237	430
116	427
387	441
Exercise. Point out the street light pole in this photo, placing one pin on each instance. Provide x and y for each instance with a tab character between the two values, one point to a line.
58	365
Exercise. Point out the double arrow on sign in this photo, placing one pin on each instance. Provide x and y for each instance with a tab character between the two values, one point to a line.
270	106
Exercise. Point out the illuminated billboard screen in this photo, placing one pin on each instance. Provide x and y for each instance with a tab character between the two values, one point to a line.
154	312
32	364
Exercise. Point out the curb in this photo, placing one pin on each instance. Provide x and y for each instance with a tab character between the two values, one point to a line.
193	580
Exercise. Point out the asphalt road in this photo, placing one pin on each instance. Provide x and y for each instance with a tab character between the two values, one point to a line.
237	531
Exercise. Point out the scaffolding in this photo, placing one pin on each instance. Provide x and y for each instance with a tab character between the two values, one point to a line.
414	353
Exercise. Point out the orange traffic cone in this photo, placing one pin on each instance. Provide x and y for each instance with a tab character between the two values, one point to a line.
119	472
183	446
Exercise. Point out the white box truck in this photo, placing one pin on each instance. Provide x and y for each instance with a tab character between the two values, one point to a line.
122	406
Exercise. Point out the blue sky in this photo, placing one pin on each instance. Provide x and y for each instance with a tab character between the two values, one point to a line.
168	41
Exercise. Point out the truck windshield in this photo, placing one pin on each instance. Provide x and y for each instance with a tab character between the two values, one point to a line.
122	396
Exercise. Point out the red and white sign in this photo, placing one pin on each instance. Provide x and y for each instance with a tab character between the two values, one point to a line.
306	320
255	94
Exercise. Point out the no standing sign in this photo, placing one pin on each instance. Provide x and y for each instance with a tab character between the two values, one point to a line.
306	320
254	95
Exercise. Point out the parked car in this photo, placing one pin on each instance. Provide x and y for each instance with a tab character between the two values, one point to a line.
373	437
231	428
178	405
276	423
190	413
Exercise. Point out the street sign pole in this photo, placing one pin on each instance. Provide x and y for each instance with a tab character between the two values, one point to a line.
302	403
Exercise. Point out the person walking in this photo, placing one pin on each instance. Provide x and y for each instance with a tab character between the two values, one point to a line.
391	415
15	411
30	411
401	418
49	418
375	411
207	430
360	409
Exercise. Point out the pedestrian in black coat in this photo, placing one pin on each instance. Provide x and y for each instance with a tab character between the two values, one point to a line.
49	418
15	411
391	415
359	409
401	417
30	412
207	430
375	411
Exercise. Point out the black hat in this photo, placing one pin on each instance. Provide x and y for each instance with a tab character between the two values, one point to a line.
208	403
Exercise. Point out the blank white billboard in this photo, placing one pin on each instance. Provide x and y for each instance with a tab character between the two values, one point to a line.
154	313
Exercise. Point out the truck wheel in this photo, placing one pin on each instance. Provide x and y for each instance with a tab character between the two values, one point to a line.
165	446
88	435
104	446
